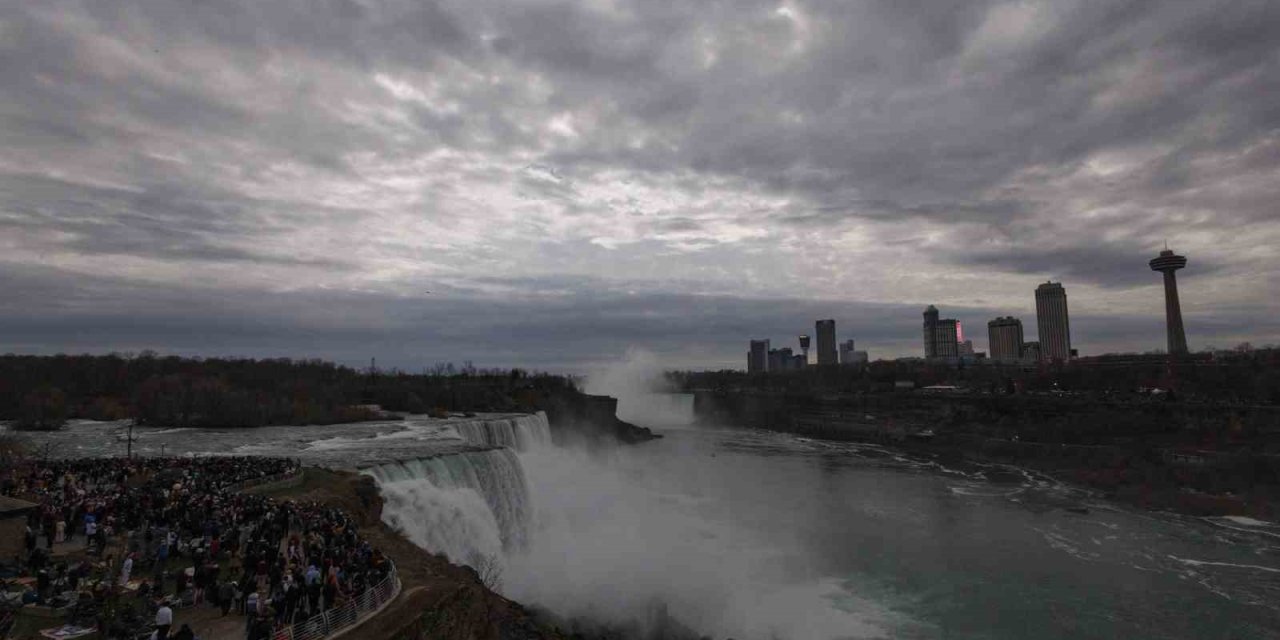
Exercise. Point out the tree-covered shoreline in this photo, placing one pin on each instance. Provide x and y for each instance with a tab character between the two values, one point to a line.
42	392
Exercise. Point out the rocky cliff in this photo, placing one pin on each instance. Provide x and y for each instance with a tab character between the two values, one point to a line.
579	417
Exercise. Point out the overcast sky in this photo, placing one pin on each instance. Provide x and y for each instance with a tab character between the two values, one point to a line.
545	184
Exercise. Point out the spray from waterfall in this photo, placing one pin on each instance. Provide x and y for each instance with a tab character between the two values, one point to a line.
637	382
613	536
461	505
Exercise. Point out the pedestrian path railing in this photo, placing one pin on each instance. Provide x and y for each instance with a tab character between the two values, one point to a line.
346	615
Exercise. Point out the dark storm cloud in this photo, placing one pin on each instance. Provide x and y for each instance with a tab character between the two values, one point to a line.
1119	266
572	176
591	325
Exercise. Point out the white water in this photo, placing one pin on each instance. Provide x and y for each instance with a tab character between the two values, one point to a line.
521	433
615	534
612	537
460	505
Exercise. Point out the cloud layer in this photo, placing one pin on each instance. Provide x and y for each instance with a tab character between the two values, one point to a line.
547	183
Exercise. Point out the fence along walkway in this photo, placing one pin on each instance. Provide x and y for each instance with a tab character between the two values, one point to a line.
346	615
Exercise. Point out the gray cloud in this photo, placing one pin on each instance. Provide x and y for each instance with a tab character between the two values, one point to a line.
566	177
542	328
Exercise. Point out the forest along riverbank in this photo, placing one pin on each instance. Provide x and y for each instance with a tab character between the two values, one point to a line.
1191	458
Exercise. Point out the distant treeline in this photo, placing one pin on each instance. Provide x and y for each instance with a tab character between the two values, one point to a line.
1245	377
41	392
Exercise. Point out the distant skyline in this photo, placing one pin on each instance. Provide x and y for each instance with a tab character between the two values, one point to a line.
546	184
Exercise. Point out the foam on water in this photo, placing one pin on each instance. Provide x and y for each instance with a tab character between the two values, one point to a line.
611	539
1208	563
484	496
1248	522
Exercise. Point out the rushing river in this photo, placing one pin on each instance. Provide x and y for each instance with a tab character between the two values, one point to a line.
754	534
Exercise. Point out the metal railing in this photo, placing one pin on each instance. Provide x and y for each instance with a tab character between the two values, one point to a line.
346	615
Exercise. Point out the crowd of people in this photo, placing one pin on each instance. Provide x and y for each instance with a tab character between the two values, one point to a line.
179	532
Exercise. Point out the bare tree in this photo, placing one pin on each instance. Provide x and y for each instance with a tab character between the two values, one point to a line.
13	450
489	568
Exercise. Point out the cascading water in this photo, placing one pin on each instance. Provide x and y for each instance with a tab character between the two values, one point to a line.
462	505
522	433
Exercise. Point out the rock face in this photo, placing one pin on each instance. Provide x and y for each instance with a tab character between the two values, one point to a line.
579	417
438	599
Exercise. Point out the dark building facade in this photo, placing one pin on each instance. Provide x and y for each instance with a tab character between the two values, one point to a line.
930	332
826	331
1004	337
941	336
758	357
1052	322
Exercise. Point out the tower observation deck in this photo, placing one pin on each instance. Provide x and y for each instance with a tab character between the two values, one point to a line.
1167	263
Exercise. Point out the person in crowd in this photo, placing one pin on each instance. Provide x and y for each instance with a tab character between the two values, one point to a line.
126	568
90	530
164	620
226	596
186	519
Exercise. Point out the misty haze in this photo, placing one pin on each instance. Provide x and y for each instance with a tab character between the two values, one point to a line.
639	320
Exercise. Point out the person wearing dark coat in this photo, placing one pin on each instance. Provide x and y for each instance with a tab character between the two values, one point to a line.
226	596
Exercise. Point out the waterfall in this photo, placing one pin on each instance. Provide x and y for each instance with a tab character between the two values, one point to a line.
461	505
522	433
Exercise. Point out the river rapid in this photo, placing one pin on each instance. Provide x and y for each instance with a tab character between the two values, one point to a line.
754	534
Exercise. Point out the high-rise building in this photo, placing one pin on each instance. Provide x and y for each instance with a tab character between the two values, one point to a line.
860	357
945	342
1004	336
826	330
930	332
846	352
758	357
804	348
1167	263
1052	322
941	337
964	347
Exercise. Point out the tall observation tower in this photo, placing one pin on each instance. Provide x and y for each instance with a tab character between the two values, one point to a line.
1168	262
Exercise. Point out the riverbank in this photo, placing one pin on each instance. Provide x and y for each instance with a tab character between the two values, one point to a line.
1190	459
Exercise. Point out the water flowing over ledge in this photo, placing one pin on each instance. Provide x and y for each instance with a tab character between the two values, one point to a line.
463	505
521	433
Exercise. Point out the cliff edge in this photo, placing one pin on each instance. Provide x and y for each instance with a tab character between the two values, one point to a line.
438	599
579	417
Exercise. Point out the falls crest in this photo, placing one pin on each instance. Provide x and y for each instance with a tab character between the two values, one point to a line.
462	504
522	433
